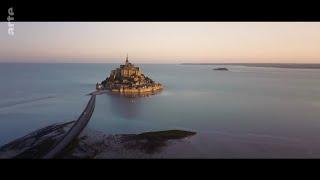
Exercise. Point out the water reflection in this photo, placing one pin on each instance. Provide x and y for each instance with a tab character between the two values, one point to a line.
127	105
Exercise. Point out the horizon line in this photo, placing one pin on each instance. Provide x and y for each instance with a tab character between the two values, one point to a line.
182	63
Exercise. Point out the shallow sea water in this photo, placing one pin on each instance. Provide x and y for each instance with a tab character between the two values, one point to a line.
243	112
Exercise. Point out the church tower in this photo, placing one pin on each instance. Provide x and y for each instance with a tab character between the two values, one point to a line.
127	61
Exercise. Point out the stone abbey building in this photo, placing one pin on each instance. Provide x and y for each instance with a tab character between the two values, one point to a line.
128	79
127	70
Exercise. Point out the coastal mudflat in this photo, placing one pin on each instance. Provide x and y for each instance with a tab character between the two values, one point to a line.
94	144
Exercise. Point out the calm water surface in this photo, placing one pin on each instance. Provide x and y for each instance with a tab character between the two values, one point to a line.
244	112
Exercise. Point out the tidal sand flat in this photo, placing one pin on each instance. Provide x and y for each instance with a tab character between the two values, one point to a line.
37	143
92	144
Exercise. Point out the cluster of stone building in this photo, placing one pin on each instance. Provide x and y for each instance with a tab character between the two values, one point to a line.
128	79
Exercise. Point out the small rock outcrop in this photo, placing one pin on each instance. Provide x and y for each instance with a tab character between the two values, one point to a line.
221	69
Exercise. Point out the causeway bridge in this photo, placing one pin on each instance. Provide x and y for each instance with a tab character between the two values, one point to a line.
74	131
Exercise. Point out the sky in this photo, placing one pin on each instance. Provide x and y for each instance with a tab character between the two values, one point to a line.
161	42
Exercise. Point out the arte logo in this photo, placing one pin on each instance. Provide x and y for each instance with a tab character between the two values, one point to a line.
10	24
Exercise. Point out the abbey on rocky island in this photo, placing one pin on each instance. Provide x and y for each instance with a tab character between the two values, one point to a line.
128	79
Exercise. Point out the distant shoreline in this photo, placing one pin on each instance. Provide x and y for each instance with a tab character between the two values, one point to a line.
274	65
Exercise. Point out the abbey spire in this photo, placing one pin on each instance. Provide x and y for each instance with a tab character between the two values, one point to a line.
127	60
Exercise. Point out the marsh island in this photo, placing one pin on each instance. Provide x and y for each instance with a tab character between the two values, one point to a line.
221	69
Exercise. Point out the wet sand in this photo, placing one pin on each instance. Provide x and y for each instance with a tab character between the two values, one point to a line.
93	144
159	144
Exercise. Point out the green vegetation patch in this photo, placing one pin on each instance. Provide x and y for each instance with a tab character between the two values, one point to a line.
169	134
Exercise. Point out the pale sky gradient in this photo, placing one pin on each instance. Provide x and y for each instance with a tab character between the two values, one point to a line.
162	42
